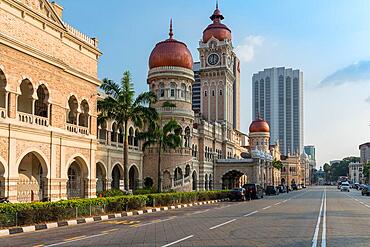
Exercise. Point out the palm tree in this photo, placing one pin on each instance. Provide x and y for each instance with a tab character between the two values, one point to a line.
166	137
122	106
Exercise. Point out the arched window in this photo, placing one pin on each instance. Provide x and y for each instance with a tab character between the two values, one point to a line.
173	90
136	139
120	134
103	131
131	136
187	136
25	100
220	92
2	90
113	136
161	90
41	104
183	89
72	112
83	119
178	173
187	171
205	93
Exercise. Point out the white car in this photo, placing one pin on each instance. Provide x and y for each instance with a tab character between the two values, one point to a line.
344	186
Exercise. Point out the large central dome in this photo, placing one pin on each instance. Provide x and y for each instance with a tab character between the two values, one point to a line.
171	53
216	29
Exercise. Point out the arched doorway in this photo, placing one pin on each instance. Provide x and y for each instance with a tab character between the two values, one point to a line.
117	176
101	177
3	94
231	179
195	180
282	181
32	180
206	182
77	179
210	186
133	175
166	183
2	180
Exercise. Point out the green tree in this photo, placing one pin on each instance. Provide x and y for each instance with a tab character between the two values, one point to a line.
366	172
327	170
277	164
121	105
165	138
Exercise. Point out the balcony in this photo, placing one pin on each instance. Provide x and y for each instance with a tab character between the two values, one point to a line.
33	119
77	129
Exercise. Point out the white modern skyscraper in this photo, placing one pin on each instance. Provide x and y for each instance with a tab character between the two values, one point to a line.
278	98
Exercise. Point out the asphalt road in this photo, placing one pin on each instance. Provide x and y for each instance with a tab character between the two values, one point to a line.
316	216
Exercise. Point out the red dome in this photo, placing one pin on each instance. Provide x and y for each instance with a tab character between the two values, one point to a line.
216	29
171	53
259	125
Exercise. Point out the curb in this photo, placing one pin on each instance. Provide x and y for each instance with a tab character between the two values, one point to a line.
17	230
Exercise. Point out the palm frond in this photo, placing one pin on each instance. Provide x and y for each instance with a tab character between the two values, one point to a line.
110	87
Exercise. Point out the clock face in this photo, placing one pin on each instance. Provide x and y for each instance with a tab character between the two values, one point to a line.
213	59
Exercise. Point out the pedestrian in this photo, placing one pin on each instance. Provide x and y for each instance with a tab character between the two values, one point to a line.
287	189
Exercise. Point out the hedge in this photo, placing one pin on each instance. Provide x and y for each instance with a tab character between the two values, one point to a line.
40	212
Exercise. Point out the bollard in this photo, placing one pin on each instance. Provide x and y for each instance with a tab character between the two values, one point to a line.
16	218
76	212
90	209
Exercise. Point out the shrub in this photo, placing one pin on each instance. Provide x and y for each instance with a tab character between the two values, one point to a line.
40	212
110	193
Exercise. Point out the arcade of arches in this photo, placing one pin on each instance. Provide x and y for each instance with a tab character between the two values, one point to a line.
233	179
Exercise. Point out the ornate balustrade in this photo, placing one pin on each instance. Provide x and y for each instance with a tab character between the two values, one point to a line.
77	129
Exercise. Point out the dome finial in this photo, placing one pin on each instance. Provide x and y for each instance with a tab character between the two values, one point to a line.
216	4
171	32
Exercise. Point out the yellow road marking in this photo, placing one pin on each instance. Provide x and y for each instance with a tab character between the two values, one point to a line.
39	245
111	230
74	238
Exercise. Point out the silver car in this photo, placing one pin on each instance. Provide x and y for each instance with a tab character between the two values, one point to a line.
344	186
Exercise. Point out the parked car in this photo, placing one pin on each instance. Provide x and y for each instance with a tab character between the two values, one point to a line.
303	186
294	187
237	194
272	190
366	190
255	190
361	186
344	186
356	185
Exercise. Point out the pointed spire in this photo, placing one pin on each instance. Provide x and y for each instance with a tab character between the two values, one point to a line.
171	31
217	16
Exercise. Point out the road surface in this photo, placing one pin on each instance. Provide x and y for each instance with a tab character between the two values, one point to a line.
316	216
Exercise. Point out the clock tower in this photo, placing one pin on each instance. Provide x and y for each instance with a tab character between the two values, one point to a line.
219	74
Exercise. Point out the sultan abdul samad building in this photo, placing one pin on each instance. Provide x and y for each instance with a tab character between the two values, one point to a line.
51	146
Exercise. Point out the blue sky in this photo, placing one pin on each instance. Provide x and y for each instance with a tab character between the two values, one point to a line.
327	39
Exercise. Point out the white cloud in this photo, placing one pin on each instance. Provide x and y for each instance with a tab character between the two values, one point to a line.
368	100
246	50
356	72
